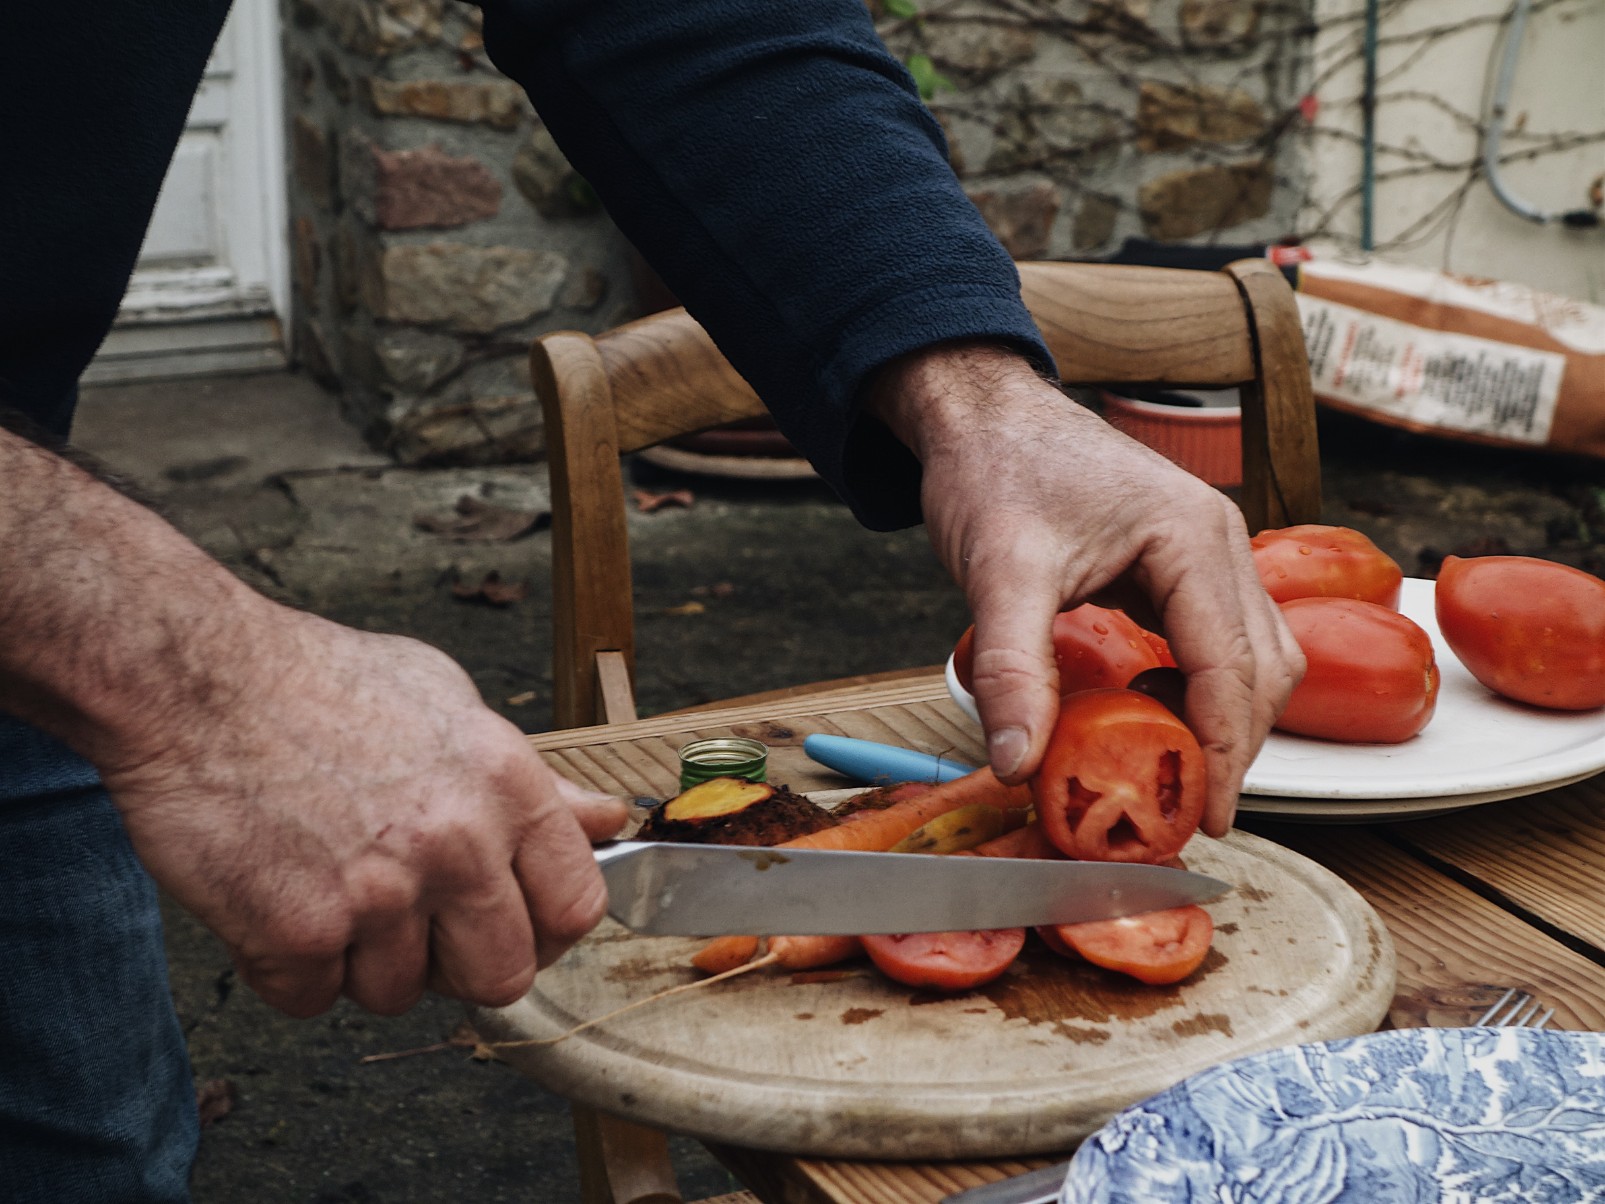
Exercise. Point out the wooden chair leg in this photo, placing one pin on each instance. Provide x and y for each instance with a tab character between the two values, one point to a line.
621	1162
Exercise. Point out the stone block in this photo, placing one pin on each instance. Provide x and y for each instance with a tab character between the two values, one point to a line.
347	263
1195	200
1170	116
1216	24
975	48
416	361
426	188
1095	223
548	181
1021	217
499	104
312	160
469	289
306	258
379	28
584	289
482	430
1048	119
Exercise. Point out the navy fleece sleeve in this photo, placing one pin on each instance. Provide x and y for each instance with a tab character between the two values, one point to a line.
775	165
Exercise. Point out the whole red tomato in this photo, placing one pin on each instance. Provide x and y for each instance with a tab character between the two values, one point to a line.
1372	677
1315	561
1529	629
1093	646
1122	779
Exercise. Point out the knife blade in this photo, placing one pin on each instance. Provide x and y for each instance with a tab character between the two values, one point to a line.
1034	1187
662	888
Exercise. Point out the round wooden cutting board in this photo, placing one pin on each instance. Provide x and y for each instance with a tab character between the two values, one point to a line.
857	1066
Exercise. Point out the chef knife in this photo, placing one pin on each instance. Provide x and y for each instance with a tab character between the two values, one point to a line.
662	888
1034	1187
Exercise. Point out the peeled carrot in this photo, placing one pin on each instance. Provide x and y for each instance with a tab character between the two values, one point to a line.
811	952
1029	841
725	953
877	831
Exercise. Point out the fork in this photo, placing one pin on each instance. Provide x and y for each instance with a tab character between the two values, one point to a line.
1514	1009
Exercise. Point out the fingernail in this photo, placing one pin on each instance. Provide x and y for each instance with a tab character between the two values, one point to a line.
1007	748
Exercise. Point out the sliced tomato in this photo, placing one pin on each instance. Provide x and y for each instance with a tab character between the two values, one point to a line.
1096	647
1093	647
1316	561
1372	677
1156	947
945	961
1161	647
1051	938
964	659
1122	779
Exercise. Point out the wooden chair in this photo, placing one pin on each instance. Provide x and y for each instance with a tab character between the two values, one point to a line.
651	380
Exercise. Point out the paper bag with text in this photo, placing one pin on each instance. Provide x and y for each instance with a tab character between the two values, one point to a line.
1480	360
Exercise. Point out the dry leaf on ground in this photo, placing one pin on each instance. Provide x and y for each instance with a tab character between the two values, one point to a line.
215	1099
491	590
646	501
476	521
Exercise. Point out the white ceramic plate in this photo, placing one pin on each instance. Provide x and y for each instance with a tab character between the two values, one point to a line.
1477	748
1499	1116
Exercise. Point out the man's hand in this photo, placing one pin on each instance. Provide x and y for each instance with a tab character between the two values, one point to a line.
341	808
1035	504
353	820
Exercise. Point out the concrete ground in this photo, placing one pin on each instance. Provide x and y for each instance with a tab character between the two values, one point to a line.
751	587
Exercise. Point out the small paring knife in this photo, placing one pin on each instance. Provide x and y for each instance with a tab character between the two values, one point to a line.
881	764
661	888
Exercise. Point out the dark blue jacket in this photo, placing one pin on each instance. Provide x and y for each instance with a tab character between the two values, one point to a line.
769	157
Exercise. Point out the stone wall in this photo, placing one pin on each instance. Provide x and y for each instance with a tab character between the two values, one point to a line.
437	229
1077	124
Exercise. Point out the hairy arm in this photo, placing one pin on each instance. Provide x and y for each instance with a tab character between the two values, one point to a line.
339	807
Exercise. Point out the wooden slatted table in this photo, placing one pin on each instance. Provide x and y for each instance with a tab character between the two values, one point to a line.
1509	893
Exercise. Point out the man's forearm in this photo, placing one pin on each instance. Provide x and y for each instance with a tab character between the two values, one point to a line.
109	617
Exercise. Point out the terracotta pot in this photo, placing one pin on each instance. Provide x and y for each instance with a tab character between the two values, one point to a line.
1205	438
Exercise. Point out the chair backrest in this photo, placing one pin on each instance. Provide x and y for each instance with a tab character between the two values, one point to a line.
659	377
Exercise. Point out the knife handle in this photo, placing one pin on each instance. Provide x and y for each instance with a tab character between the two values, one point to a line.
880	764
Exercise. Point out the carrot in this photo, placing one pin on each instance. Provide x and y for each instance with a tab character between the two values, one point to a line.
811	952
1029	841
877	831
725	953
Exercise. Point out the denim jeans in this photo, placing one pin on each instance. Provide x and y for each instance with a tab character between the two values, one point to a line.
96	1098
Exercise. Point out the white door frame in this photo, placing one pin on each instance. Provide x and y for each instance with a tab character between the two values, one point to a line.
188	317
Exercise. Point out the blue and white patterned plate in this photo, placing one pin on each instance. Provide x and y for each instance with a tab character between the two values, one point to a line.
1424	1116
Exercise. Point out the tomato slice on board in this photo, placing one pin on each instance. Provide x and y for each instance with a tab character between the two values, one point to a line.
1316	561
1371	675
1122	780
1156	947
945	961
1529	629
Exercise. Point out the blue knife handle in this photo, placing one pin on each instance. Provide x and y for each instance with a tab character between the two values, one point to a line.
879	764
